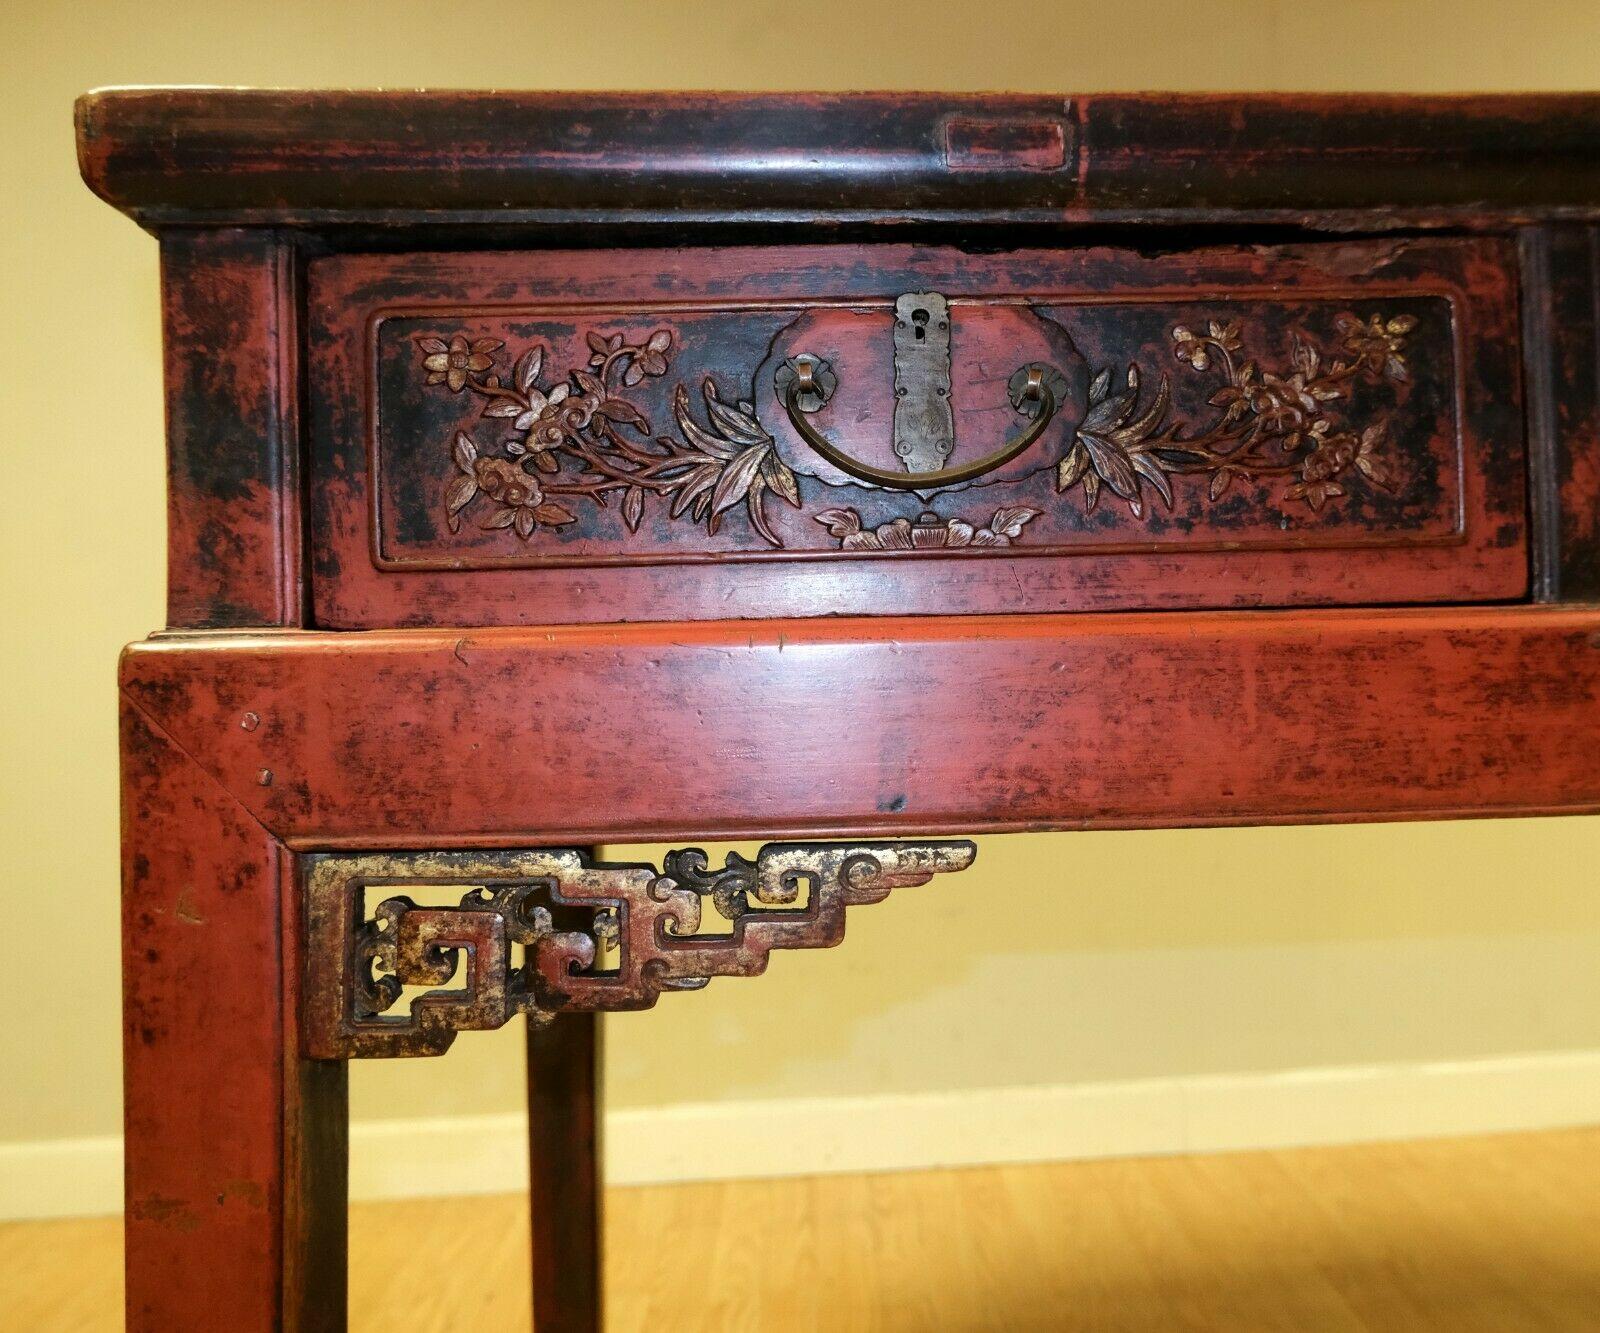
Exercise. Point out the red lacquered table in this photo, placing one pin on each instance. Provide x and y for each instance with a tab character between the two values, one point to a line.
859	471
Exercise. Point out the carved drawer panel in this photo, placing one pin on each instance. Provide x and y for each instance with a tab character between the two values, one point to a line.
607	435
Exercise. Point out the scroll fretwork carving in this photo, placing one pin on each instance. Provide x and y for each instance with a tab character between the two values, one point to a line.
544	931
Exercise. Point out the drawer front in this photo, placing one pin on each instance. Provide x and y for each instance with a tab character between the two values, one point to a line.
623	435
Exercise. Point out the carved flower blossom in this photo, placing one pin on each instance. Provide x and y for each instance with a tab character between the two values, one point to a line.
649	360
1286	402
505	481
521	500
1332	455
542	420
582	403
1191	348
553	418
451	363
579	410
929	532
1377	344
1195	348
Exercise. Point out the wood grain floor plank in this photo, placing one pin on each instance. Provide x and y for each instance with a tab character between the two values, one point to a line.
1483	1235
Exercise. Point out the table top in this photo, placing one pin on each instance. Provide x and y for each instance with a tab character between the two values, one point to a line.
309	156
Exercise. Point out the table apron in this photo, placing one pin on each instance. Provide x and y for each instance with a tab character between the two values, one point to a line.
849	728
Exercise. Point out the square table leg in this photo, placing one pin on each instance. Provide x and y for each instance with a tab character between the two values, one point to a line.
564	1172
236	1147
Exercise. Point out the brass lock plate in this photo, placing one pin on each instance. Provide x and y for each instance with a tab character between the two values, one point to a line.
924	423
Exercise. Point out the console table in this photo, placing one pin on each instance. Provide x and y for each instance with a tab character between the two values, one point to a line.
864	471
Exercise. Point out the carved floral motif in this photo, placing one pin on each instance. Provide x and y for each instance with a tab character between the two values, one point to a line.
1272	423
929	532
582	440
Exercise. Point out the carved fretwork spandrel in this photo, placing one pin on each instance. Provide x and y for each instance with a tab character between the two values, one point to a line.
539	932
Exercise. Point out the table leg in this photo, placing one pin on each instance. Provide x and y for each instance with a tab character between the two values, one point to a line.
236	1173
564	1172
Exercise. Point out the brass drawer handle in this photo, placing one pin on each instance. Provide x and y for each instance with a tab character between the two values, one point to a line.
805	383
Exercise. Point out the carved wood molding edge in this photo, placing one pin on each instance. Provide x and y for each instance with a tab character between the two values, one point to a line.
539	932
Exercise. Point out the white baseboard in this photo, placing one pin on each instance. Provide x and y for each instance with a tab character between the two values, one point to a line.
392	1159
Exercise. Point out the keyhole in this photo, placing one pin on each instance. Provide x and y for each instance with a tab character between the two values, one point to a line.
920	319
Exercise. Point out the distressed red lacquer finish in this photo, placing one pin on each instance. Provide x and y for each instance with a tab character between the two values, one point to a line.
1562	317
232	365
615	399
345	157
872	727
234	1145
570	436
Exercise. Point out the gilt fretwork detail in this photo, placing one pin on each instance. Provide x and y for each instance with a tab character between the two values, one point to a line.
540	932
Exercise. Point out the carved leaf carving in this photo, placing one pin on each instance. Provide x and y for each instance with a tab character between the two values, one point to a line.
583	441
1271	424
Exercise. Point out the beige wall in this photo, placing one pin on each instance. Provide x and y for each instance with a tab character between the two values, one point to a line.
1061	959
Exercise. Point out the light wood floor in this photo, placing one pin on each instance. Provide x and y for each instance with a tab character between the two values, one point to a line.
1461	1235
